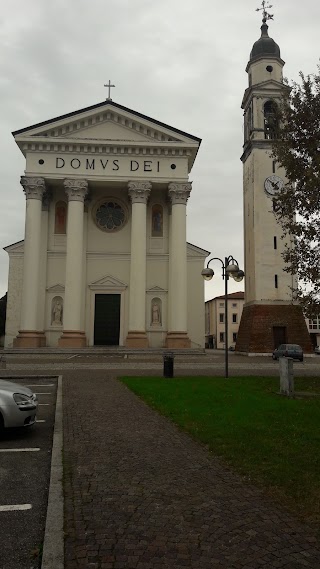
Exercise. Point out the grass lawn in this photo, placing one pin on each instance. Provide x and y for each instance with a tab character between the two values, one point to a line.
271	440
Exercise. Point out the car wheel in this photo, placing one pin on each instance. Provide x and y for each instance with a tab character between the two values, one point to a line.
301	359
1	424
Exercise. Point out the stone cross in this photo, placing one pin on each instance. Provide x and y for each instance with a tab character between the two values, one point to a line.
109	88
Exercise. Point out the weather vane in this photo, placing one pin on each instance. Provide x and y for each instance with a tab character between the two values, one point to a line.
265	15
109	88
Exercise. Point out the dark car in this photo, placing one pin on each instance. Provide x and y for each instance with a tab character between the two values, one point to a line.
288	351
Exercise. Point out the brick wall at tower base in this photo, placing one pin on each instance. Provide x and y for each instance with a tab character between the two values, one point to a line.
256	331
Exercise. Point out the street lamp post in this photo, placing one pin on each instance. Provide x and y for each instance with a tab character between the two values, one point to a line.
230	267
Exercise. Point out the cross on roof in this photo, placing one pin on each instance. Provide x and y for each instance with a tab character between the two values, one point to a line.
265	15
109	88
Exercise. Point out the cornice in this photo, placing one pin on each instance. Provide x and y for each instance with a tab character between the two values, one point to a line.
112	147
251	144
260	92
266	58
103	112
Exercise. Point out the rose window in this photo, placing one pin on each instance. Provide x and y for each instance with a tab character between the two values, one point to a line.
110	216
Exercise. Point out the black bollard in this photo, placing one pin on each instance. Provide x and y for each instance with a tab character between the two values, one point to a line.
168	360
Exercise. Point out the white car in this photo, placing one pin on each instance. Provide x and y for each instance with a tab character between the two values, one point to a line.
317	350
18	405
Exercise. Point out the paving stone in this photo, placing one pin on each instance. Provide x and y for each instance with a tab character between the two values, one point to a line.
141	494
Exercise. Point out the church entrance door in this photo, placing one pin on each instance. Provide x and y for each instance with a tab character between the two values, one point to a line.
107	319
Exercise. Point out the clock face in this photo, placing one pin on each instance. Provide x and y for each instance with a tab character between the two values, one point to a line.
273	185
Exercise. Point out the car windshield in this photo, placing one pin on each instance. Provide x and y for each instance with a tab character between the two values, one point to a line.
294	347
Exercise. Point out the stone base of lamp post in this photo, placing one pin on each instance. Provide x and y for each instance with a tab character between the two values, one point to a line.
136	339
29	339
178	340
72	339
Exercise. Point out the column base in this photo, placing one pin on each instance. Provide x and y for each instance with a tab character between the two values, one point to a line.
72	339
30	339
137	340
178	340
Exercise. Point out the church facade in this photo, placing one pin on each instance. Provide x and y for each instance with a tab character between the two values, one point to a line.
105	260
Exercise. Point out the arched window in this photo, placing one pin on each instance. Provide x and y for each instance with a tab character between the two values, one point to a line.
60	218
270	110
157	221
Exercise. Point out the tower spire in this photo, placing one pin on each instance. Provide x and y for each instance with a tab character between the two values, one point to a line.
265	15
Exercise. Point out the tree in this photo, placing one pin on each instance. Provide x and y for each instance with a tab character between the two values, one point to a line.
297	149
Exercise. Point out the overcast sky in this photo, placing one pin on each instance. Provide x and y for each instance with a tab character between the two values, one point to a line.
181	62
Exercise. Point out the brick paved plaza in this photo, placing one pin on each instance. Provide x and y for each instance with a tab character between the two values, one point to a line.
141	494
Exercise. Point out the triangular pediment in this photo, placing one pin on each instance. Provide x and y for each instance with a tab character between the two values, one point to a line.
56	288
194	251
108	282
15	247
106	121
268	84
269	88
156	289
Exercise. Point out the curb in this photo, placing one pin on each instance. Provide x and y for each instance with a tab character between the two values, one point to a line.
53	544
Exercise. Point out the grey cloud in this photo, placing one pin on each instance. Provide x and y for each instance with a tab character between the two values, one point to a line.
182	63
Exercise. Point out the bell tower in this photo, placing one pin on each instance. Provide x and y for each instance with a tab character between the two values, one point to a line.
270	316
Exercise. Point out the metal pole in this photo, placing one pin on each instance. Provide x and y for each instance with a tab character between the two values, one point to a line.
226	262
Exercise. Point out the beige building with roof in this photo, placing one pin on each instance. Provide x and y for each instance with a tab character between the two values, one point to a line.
215	320
105	261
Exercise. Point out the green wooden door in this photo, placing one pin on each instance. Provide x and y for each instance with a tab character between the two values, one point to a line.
107	320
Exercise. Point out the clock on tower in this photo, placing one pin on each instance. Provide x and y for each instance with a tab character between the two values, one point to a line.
270	316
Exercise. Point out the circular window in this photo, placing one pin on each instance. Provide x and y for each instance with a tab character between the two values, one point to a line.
110	215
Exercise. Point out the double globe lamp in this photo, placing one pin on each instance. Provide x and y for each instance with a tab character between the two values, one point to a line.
230	268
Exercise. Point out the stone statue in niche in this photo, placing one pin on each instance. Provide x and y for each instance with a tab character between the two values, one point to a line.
57	311
157	221
156	312
60	222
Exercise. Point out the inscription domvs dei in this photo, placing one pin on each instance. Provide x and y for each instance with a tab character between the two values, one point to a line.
104	164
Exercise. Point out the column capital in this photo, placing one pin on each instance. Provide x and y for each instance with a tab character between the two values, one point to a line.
76	190
179	192
34	188
139	191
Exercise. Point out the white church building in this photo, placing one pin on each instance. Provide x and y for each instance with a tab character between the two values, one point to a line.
105	261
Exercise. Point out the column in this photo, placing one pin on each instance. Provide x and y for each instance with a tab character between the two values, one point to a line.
177	336
73	335
29	334
139	193
46	200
